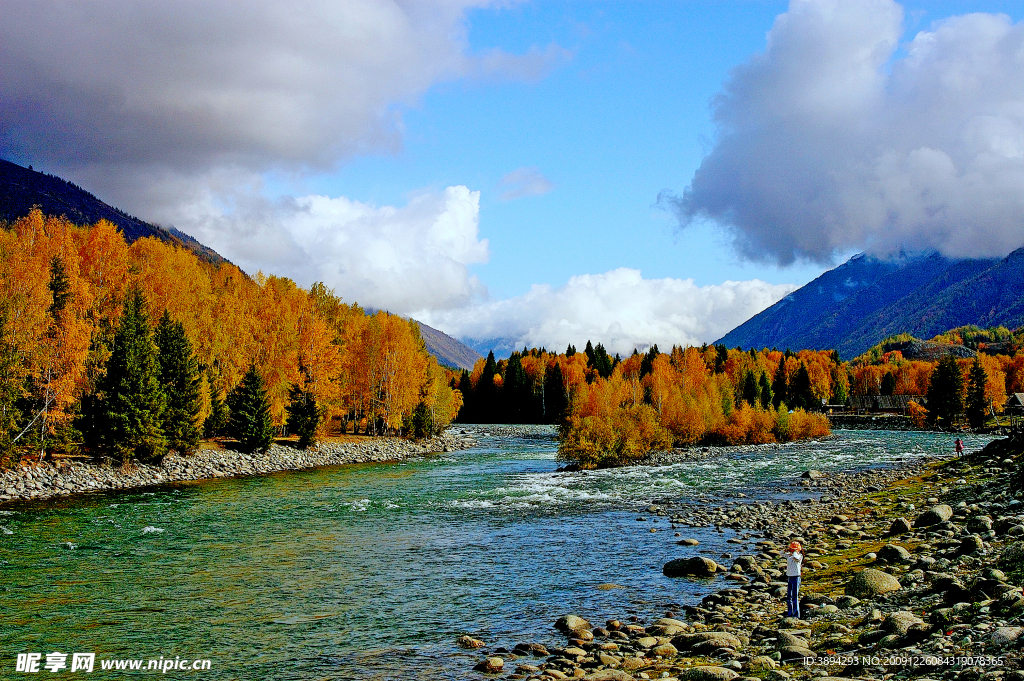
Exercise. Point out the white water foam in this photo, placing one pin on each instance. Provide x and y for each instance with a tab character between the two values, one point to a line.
149	529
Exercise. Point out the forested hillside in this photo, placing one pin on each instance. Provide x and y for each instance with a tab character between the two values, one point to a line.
22	189
867	299
193	344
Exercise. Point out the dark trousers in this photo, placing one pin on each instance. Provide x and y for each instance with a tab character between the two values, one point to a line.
793	597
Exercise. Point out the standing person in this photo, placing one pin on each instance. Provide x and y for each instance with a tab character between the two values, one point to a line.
959	447
794	564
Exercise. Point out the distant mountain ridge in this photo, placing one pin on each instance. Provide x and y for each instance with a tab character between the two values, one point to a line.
866	300
448	351
21	189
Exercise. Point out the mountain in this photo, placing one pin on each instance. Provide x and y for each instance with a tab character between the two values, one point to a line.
23	188
446	349
865	300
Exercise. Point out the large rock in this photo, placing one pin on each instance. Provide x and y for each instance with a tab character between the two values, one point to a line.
720	639
793	653
934	516
1004	636
469	642
760	663
891	553
1012	556
899	526
812	474
664	650
608	675
900	622
491	665
696	566
571	624
787	639
870	582
706	674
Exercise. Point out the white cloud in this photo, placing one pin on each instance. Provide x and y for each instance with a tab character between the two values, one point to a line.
395	258
829	141
524	182
619	308
200	83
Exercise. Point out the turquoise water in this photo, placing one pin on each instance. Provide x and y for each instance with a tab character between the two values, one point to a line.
371	571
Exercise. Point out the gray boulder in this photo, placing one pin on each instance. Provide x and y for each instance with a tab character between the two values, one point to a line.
572	624
935	515
870	582
1012	556
891	553
707	673
900	622
696	566
899	526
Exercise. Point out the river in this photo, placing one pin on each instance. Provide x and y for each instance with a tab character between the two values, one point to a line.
372	571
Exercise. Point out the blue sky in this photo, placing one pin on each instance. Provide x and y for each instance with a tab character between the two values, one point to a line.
365	143
625	116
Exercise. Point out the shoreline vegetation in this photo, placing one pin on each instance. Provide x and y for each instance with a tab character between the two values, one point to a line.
613	411
910	571
129	351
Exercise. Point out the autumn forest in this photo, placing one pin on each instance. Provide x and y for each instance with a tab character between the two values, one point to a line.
127	351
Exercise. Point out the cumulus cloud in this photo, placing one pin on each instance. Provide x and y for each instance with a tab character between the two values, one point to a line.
830	141
524	182
196	84
619	308
179	111
396	258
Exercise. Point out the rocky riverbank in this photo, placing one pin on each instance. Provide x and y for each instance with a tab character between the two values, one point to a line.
910	572
47	480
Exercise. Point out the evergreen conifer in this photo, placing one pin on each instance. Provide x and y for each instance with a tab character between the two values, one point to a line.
250	422
888	386
216	422
131	403
800	392
303	415
767	398
554	395
780	385
180	380
751	393
976	403
946	391
486	394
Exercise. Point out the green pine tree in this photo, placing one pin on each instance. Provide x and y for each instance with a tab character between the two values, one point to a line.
131	403
800	392
767	398
515	392
751	393
976	403
180	380
555	400
303	415
780	385
888	386
250	422
486	394
946	391
216	422
468	410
